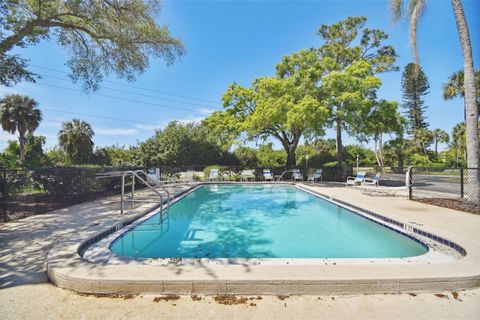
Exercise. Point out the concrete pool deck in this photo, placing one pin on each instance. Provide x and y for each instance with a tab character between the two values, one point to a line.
68	270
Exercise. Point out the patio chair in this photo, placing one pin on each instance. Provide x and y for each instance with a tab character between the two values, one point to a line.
372	181
214	175
353	181
247	175
267	175
297	175
317	175
189	176
154	176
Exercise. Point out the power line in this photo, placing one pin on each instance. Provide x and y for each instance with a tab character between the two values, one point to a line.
133	86
100	117
131	92
118	98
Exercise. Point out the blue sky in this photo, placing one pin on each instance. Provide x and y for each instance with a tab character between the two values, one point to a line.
230	41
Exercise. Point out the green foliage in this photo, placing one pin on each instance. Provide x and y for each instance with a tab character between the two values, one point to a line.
268	157
34	156
366	157
75	137
271	107
20	114
180	144
57	157
340	74
414	87
454	87
247	157
101	37
115	156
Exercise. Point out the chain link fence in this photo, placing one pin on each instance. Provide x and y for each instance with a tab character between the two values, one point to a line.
29	192
456	188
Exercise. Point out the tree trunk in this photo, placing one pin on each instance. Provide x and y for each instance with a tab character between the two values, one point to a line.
21	140
339	145
436	148
290	149
471	109
400	161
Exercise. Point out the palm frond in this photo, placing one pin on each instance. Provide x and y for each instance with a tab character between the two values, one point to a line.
415	10
396	8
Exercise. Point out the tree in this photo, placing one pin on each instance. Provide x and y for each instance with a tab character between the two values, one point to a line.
271	107
396	149
346	43
414	87
423	138
180	144
384	118
439	136
454	88
20	114
101	36
75	137
34	156
415	9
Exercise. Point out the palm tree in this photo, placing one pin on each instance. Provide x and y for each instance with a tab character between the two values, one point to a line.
20	114
414	11
454	88
439	136
75	137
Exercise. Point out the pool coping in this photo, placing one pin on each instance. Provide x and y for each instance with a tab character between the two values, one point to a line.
67	269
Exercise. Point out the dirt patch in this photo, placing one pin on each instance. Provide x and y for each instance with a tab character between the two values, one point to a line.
412	294
170	297
455	204
441	295
230	300
283	297
108	295
196	298
456	295
256	298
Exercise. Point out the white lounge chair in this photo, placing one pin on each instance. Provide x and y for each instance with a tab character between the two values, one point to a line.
372	181
353	181
297	175
316	175
213	176
154	176
247	175
267	175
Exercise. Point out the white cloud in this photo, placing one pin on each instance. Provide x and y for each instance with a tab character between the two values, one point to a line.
206	111
5	136
149	127
115	131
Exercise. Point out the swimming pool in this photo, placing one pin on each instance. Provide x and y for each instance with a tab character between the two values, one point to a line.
261	221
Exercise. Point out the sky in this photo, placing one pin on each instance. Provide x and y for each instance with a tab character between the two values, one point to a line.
238	41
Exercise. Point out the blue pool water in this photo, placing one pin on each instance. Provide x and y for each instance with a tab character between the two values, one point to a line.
261	221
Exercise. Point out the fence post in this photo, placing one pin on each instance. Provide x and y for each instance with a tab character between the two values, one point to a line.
4	195
461	184
409	182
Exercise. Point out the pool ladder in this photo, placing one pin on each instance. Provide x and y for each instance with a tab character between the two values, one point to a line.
137	174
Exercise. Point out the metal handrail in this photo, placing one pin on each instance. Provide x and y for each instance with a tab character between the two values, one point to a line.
280	178
134	175
158	185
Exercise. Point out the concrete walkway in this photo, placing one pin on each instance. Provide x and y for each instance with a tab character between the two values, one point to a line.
26	294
